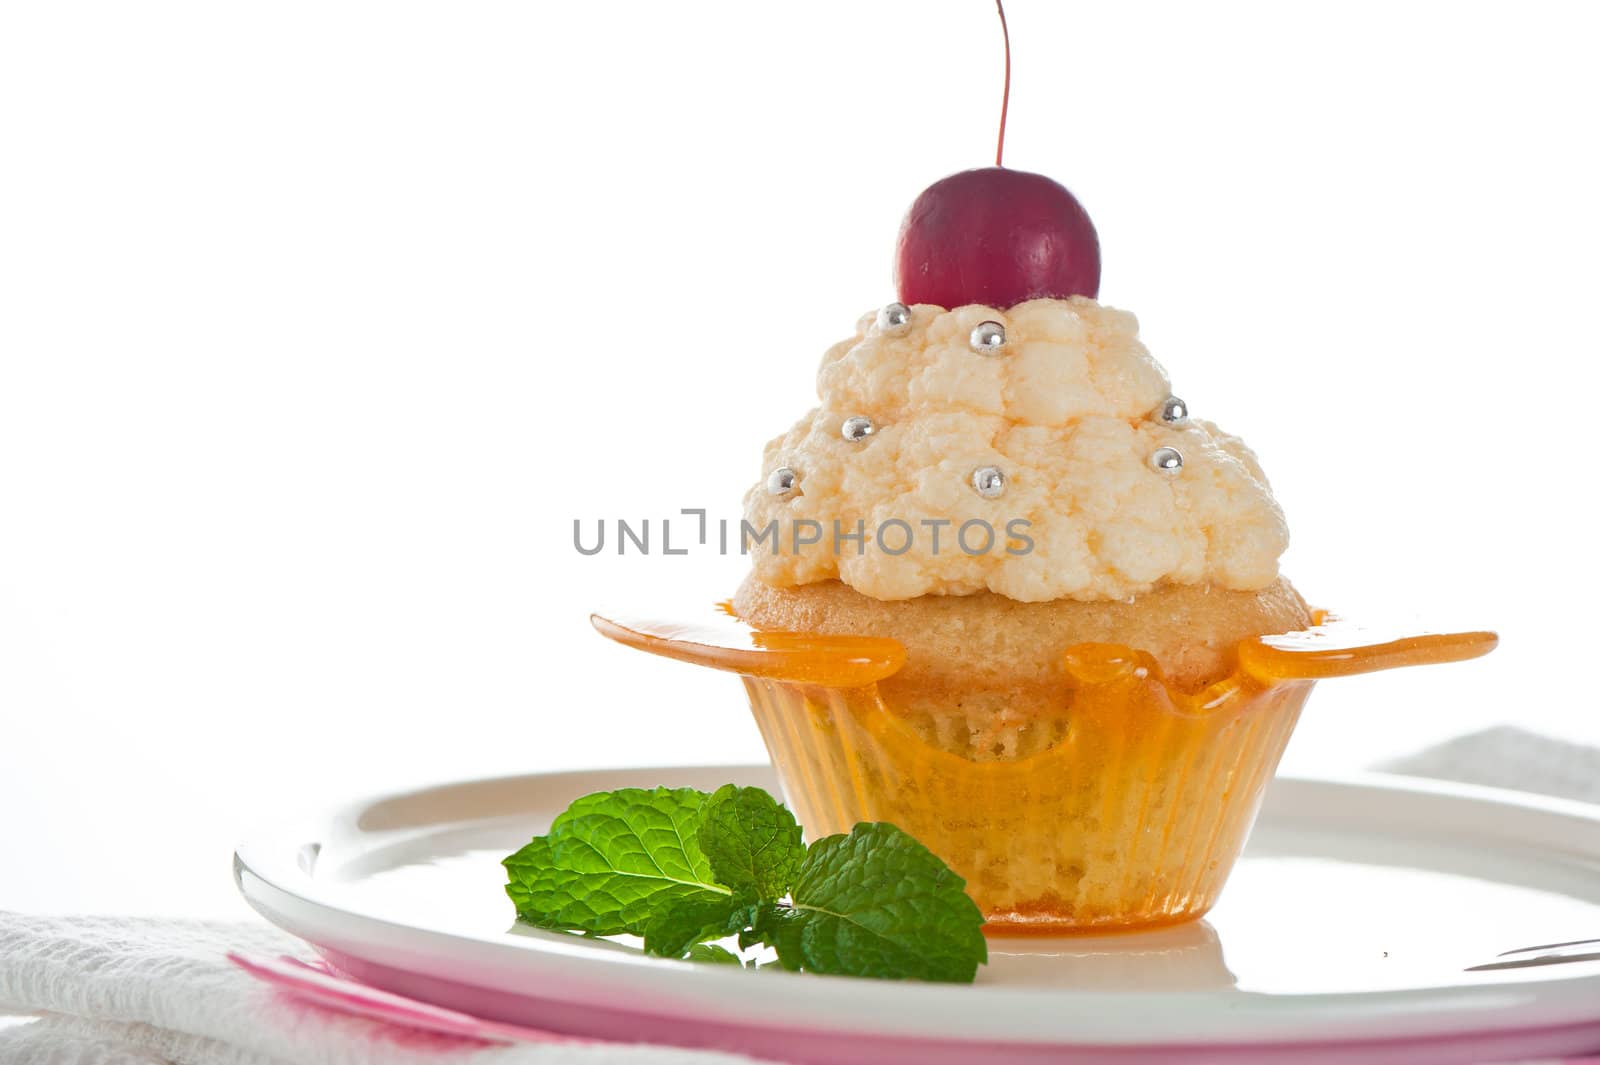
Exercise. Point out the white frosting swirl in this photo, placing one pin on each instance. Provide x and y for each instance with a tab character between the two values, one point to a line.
1066	411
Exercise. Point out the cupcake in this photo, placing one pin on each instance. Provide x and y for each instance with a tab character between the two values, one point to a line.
1010	595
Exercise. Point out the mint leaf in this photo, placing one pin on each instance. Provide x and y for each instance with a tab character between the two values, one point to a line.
878	903
713	953
752	843
613	862
688	921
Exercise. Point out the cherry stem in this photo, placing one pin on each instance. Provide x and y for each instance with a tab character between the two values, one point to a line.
1005	96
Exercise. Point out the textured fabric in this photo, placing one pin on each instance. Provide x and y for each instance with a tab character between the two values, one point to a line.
124	991
1507	757
56	1040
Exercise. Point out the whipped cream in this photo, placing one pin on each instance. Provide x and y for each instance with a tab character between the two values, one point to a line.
1067	410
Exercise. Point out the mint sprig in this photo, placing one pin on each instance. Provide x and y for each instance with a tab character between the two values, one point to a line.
680	868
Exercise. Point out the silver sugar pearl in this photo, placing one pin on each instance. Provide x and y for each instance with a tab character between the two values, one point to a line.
857	428
1167	460
988	482
781	481
894	319
987	338
1173	411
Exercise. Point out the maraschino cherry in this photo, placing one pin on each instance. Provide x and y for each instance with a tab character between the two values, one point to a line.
996	236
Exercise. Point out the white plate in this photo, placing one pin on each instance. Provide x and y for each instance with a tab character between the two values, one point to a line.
1354	918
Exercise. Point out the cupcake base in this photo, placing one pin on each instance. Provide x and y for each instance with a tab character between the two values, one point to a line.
1122	800
1133	817
961	647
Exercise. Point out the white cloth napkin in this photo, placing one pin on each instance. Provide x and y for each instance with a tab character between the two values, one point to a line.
127	991
121	991
1508	757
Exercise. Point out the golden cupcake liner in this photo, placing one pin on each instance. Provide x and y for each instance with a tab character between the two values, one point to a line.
1123	804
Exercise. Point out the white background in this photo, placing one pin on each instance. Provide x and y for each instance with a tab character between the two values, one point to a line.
320	322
